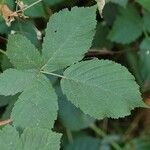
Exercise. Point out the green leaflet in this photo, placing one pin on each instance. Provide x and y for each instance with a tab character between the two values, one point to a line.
9	138
37	105
40	139
31	139
68	37
127	26
23	54
13	81
101	89
38	98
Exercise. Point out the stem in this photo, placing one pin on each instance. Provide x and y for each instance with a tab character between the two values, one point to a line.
21	10
145	32
69	135
5	122
103	134
53	74
31	5
3	52
132	127
98	130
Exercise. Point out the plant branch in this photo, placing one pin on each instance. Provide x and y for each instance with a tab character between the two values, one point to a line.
103	134
3	52
133	126
145	32
103	52
29	6
69	135
5	122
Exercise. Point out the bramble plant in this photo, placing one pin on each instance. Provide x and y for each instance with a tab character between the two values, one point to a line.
41	81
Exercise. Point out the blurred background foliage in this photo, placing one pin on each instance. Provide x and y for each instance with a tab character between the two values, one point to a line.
122	35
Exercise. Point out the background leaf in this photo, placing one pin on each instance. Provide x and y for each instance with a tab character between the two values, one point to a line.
120	2
145	59
127	27
77	120
146	20
144	3
84	143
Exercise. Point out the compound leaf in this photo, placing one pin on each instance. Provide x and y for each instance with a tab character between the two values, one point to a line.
101	88
68	37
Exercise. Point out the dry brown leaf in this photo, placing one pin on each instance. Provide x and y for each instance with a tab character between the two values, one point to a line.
7	14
